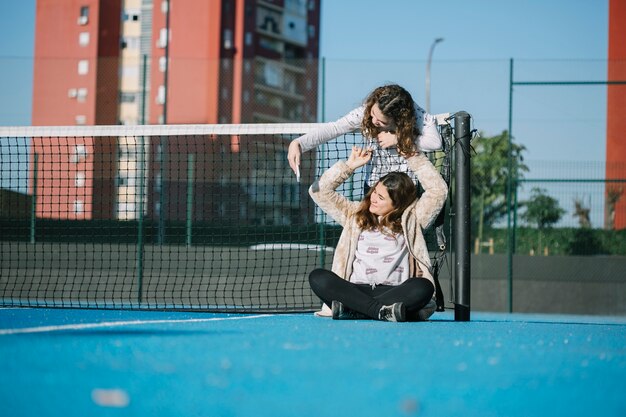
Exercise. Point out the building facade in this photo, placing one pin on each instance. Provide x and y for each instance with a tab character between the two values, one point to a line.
75	83
173	62
615	204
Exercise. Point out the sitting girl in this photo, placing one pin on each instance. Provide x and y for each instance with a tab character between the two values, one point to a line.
381	267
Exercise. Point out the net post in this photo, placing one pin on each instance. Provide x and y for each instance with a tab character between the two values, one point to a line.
140	219
462	217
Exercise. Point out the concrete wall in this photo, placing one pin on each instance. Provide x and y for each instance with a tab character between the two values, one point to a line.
547	284
205	276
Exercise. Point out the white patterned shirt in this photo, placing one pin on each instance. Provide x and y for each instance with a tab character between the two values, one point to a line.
380	259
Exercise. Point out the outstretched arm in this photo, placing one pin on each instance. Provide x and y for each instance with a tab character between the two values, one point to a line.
326	131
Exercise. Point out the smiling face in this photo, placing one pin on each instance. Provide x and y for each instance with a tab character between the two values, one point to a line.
380	201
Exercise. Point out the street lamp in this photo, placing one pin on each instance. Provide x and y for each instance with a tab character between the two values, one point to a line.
430	57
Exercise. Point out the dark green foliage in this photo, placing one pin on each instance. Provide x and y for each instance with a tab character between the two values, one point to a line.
562	241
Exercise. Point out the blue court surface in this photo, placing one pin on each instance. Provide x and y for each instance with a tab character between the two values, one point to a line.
133	363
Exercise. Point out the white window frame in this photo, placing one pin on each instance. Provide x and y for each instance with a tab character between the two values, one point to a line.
79	179
83	67
83	38
79	207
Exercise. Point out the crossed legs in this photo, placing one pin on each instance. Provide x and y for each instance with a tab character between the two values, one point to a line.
414	293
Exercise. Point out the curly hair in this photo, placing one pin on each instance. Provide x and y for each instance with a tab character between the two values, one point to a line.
402	193
396	103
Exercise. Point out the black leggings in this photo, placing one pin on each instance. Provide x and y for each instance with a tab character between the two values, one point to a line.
414	293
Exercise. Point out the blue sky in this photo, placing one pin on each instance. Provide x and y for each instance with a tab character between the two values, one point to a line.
366	43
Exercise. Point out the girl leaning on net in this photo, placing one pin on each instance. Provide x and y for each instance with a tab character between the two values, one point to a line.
390	121
381	267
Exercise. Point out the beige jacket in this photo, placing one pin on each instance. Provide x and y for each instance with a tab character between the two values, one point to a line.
417	217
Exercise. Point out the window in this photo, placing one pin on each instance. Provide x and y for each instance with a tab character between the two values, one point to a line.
83	67
81	95
80	152
228	39
163	38
125	180
290	82
273	74
129	71
296	6
268	20
79	207
83	18
126	208
162	64
83	38
131	15
160	98
126	97
271	44
130	42
79	179
157	182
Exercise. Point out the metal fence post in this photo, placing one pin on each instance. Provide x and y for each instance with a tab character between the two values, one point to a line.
33	204
190	184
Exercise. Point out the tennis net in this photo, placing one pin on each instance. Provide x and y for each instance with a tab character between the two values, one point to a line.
206	217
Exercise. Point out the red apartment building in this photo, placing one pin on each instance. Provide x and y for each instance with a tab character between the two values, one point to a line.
75	83
615	216
172	62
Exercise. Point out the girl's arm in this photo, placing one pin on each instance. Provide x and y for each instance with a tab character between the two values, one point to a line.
327	131
430	139
435	190
323	191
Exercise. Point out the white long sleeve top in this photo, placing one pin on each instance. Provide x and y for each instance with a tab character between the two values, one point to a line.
380	259
383	160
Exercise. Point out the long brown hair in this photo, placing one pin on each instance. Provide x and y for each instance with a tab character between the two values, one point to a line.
402	193
397	104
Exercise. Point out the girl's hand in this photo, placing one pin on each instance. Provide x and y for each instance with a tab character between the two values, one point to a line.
293	156
359	157
387	139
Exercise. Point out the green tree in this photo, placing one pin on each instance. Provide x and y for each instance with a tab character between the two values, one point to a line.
542	211
490	166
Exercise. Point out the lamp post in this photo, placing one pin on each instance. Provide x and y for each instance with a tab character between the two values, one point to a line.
430	57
